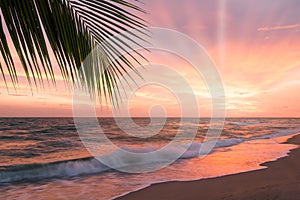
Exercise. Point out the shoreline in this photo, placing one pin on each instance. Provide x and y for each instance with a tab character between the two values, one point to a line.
280	180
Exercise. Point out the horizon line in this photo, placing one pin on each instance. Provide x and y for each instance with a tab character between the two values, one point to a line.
136	117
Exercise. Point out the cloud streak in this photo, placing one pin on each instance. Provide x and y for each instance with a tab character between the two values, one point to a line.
275	28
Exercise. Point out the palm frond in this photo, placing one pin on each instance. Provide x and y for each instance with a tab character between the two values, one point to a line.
70	29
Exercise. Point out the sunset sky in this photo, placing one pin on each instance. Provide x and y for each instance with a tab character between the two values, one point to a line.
254	44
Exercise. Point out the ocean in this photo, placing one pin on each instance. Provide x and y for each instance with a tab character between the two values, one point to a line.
44	158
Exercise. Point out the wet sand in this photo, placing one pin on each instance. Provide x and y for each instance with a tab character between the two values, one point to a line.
280	180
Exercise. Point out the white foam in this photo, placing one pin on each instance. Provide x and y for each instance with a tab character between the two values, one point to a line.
53	170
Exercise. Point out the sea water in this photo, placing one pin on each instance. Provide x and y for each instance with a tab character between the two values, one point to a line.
44	158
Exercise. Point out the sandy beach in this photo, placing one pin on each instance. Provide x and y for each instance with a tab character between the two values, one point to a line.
280	180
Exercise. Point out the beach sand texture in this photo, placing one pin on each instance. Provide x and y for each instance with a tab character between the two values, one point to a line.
280	180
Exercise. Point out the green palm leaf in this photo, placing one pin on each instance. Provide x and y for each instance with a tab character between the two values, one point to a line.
71	28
